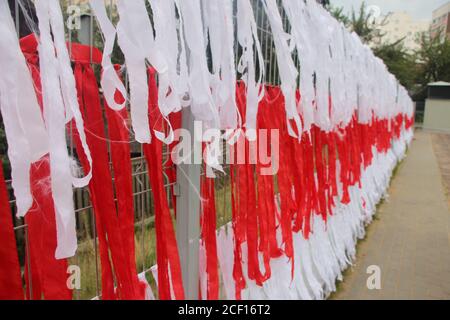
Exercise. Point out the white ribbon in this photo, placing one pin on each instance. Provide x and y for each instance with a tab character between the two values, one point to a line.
110	81
320	30
148	290
60	104
168	29
135	37
248	38
287	68
25	129
225	255
67	82
218	17
166	39
202	104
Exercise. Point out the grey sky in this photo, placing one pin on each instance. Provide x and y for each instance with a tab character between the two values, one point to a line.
419	9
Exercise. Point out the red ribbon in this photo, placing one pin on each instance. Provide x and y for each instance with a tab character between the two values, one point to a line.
208	235
10	278
320	170
332	182
48	275
238	232
167	251
170	168
285	176
119	135
265	190
116	253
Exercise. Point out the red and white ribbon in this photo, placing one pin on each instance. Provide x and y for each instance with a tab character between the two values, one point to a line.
25	130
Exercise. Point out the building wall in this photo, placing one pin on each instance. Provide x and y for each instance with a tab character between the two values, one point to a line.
437	115
440	22
399	25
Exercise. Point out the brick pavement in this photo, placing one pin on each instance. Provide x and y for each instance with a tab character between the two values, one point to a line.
409	239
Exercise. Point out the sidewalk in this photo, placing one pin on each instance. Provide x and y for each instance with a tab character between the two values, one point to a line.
409	239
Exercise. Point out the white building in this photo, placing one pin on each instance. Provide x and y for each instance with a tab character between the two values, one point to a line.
400	25
441	21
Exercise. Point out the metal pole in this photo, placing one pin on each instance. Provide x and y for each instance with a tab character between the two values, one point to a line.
188	212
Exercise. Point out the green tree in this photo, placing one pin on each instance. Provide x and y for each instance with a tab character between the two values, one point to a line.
434	56
363	24
361	21
399	62
338	14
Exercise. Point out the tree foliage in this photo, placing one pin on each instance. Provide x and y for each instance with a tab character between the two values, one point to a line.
361	21
434	56
414	69
399	62
433	61
339	14
363	24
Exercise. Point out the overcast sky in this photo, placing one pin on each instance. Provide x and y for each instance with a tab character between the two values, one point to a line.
419	9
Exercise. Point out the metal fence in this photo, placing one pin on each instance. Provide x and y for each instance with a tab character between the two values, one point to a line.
419	112
87	257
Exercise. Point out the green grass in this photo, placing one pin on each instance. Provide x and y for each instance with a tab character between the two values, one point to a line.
90	269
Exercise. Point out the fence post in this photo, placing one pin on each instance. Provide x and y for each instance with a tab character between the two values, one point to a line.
188	212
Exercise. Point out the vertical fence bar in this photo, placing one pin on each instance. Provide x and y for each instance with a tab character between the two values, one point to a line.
17	17
86	35
188	211
23	226
142	204
28	262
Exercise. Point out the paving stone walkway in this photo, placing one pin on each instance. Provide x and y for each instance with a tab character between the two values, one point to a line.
410	237
441	147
